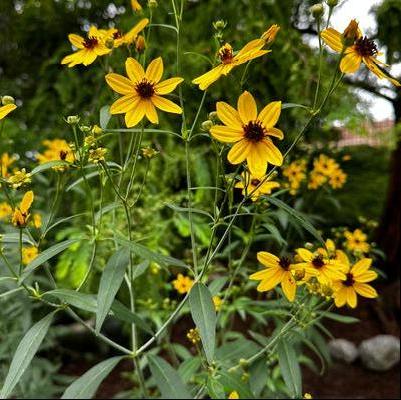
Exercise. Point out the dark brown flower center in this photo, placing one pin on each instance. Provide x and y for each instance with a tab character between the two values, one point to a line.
63	154
255	182
145	89
117	35
226	55
285	263
254	131
90	42
366	47
318	261
350	280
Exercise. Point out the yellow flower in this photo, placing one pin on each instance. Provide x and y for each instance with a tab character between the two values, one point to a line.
6	109
57	150
89	48
135	5
316	180
182	284
149	152
270	34
19	178
120	39
218	302
250	132
37	220
278	271
356	241
5	210
29	254
324	165
295	173
5	162
193	336
142	92
356	49
316	264
249	184
228	61
307	396
337	179
97	155
355	282
21	213
332	252
233	395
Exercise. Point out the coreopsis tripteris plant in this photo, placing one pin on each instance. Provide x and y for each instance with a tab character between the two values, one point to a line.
255	186
119	38
250	132
228	60
356	49
88	49
21	213
356	241
142	92
355	283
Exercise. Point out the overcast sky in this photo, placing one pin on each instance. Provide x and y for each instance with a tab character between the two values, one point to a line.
359	9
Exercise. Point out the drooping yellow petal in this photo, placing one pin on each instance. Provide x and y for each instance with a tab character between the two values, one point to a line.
134	70
76	40
167	86
365	290
166	105
26	202
247	108
257	159
154	72
120	84
289	287
226	134
267	259
150	112
239	152
333	39
228	115
205	80
270	114
371	63
5	110
124	104
273	154
350	62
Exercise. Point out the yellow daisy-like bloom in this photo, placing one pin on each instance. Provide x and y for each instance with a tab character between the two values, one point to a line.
325	165
337	179
356	49
89	48
218	302
316	264
29	254
37	220
135	5
142	92
57	149
5	210
6	109
19	178
128	38
182	284
355	282
233	395
316	179
250	132
332	252
278	271
5	162
21	213
357	241
249	184
295	174
228	61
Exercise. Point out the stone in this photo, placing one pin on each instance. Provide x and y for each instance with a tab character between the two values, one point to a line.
343	350
380	353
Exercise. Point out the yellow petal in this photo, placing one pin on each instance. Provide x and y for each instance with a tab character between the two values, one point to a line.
131	35
166	105
167	86
76	41
88	57
134	70
270	114
226	134
361	266
228	115
205	80
262	274
365	290
154	72
278	133
124	104
120	84
5	110
371	63
255	44
257	159
350	62
289	287
247	108
333	39
250	55
273	154
133	117
239	152
340	297
150	112
267	259
272	279
351	297
26	202
367	276
305	254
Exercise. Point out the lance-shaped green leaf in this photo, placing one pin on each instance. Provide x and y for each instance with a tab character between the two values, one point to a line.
204	315
104	116
86	386
110	282
290	369
25	352
49	165
167	379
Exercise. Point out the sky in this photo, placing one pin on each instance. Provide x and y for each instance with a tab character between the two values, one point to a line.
380	109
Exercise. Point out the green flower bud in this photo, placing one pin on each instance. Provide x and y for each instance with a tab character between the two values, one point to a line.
213	115
207	125
219	25
317	10
7	100
72	119
332	3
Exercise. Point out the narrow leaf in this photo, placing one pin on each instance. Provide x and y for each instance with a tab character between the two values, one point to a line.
49	165
104	116
290	368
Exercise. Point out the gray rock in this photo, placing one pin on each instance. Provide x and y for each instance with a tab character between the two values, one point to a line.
380	353
343	350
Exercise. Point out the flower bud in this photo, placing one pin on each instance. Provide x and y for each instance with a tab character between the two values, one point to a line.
140	44
72	119
270	34
152	3
332	3
109	43
84	128
219	25
97	130
351	33
207	125
7	100
317	10
213	116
